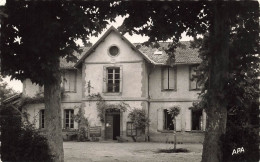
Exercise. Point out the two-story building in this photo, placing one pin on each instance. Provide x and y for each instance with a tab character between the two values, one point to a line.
134	74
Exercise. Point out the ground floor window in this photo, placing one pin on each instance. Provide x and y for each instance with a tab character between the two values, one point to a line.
196	119
168	121
130	129
68	120
41	123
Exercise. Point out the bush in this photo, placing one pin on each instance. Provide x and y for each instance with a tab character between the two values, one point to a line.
20	142
139	119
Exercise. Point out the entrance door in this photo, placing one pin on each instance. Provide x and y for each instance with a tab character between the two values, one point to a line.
116	126
112	125
109	127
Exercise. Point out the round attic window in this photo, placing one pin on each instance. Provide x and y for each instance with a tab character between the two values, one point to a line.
113	50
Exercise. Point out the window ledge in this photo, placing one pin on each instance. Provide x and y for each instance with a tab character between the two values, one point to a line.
196	131
167	131
169	90
70	91
112	94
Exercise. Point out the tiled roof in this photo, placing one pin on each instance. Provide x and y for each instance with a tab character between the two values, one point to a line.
69	65
184	54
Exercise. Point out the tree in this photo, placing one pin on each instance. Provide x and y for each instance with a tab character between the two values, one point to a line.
174	112
35	35
167	20
5	91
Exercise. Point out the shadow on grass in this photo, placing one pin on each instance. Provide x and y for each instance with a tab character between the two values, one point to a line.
172	150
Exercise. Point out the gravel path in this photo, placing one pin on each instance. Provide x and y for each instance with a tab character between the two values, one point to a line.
128	152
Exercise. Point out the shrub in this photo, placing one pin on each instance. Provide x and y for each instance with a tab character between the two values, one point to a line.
20	142
139	119
82	124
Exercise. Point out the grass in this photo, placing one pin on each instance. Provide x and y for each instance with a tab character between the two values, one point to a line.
172	150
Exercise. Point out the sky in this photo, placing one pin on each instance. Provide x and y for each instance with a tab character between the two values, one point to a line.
17	85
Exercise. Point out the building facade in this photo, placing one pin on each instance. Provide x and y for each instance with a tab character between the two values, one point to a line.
134	75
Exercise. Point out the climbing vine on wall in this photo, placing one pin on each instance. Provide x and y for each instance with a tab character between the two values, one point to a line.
102	106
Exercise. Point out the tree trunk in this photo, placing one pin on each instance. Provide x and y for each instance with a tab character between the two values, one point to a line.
53	116
218	72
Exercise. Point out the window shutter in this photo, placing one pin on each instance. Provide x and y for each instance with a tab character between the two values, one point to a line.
204	116
64	119
62	80
66	81
121	79
160	119
188	120
193	82
178	122
172	77
104	79
164	78
72	81
40	119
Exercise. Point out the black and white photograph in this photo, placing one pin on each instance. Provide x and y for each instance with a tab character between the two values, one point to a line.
129	81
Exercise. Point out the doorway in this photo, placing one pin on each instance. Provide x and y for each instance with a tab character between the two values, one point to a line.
112	124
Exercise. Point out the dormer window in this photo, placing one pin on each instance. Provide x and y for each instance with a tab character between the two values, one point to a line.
158	52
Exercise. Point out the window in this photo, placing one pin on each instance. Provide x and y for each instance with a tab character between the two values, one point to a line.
113	79
68	118
169	78
196	120
69	80
168	121
130	129
193	80
41	121
113	50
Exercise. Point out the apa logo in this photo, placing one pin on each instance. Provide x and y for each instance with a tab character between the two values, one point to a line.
238	151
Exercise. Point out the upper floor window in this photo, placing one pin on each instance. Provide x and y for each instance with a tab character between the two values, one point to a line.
68	118
42	118
169	78
69	80
112	79
193	79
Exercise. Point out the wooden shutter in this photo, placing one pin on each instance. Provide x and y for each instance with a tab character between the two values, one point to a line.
72	81
40	119
164	78
66	80
160	120
172	76
193	82
121	79
104	79
204	118
178	122
188	120
64	118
